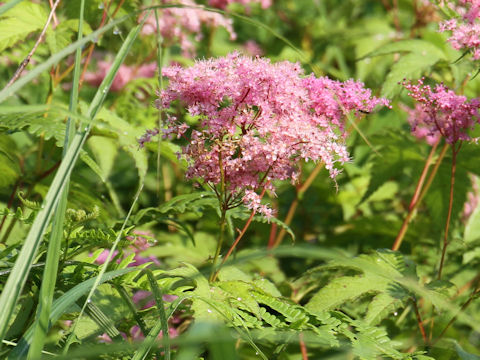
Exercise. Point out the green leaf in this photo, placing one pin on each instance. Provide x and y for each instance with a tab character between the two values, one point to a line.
409	66
395	157
17	23
417	46
9	165
378	270
181	203
472	229
61	37
381	306
341	290
50	126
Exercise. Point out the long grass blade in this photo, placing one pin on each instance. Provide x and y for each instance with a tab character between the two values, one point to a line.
19	274
53	253
54	59
161	325
63	304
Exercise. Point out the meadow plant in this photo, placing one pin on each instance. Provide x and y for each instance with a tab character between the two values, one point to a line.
257	120
242	128
177	25
465	29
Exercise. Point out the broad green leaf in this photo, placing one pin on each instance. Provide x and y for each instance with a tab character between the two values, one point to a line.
409	67
9	166
472	229
382	306
17	23
62	35
422	47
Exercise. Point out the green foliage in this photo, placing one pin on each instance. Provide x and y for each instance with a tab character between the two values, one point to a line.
333	293
17	23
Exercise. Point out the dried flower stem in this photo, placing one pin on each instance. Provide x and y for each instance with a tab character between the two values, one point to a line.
450	205
26	61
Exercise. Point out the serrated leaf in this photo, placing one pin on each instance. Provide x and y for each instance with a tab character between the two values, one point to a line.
343	289
50	126
105	152
409	66
92	165
9	165
381	306
182	203
437	198
61	37
395	157
127	137
17	23
418	46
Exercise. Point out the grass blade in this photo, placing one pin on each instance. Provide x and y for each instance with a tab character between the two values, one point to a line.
64	303
19	274
161	325
54	247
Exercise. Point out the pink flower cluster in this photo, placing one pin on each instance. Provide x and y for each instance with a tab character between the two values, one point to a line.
135	333
441	112
258	119
139	243
222	4
466	30
124	75
178	24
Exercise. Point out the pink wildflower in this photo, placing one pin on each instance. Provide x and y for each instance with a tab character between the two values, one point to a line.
258	120
140	242
418	119
466	29
177	25
222	4
252	48
445	113
124	75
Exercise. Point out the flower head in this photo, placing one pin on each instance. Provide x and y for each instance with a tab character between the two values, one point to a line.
222	4
178	24
466	29
258	119
441	112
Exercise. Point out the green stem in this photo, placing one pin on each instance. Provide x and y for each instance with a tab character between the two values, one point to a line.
220	241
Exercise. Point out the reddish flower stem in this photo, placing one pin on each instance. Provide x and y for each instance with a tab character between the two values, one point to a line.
422	191
293	206
237	240
303	347
449	215
419	320
472	296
